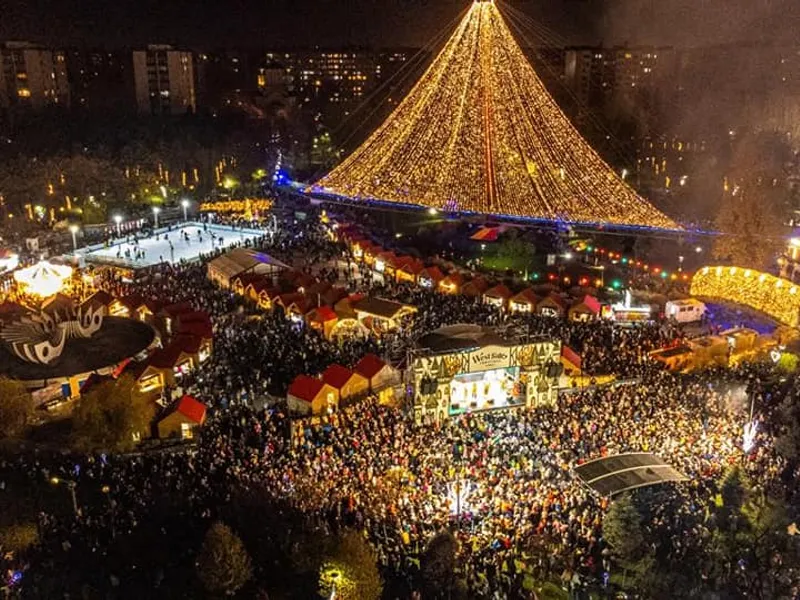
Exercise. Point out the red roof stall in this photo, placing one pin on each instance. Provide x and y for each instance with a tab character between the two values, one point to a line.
497	296
523	302
347	383
323	319
475	288
183	419
409	270
430	277
551	305
586	309
452	284
380	375
309	395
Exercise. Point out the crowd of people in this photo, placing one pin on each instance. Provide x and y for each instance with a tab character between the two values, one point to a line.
502	481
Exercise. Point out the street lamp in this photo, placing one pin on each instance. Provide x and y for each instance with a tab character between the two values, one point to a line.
680	263
156	210
118	221
71	485
334	578
185	205
73	229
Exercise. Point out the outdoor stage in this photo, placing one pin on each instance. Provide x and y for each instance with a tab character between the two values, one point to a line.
171	246
468	368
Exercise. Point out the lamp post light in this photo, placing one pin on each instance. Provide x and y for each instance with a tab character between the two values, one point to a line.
185	206
680	263
334	579
73	229
118	221
71	485
156	210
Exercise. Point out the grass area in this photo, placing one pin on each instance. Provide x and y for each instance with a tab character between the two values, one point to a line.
504	263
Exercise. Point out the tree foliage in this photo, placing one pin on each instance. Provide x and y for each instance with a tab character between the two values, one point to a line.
16	407
622	528
110	415
750	553
223	565
788	435
18	537
438	565
352	566
788	362
511	252
754	202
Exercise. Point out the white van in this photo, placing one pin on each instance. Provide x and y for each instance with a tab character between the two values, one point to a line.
685	311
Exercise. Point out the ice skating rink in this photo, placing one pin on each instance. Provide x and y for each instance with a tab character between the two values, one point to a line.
185	242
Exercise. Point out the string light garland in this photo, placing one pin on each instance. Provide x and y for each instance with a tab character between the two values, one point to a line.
779	298
479	133
616	258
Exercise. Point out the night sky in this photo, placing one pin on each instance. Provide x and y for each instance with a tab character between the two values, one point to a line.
264	23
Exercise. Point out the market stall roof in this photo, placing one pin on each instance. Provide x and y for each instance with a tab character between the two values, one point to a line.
336	376
192	409
369	366
305	387
240	260
526	296
487	234
588	302
380	307
434	273
615	474
499	291
323	314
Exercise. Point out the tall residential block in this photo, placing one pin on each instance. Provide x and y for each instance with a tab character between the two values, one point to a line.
164	81
32	77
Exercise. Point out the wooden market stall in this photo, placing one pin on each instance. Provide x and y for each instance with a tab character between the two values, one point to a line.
380	315
182	419
498	296
311	396
452	284
380	375
586	309
523	302
348	384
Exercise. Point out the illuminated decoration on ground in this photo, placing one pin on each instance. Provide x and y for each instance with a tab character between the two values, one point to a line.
43	279
779	298
479	133
749	439
458	495
237	206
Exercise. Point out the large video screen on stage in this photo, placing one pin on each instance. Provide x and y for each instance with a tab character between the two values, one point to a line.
486	390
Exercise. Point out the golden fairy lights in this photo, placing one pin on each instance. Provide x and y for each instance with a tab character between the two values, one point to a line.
776	297
237	206
479	132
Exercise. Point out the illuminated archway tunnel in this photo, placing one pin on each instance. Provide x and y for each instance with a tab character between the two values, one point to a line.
774	296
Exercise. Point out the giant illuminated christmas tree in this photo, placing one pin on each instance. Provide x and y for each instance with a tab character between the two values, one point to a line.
479	133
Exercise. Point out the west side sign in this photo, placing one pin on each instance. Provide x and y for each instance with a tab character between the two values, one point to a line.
486	359
490	357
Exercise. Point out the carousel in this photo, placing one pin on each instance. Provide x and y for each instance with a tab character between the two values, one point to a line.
43	279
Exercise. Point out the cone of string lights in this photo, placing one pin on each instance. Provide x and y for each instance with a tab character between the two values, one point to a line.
479	133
